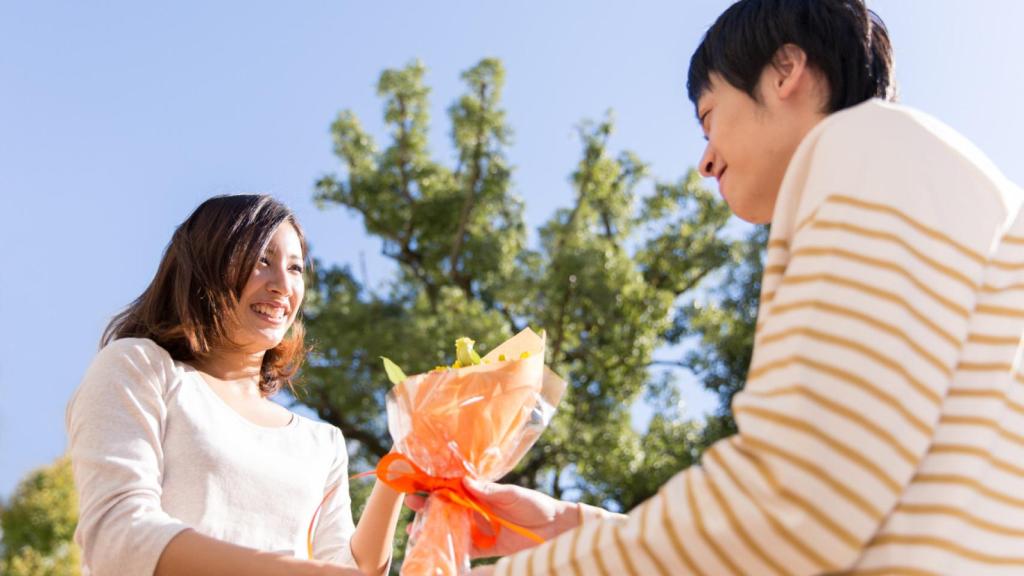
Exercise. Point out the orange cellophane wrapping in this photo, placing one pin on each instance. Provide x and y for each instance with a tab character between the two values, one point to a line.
440	542
477	422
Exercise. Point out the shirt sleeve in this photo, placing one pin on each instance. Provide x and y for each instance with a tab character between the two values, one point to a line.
333	534
115	424
870	282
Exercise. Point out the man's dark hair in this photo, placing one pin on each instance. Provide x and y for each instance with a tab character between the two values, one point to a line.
845	41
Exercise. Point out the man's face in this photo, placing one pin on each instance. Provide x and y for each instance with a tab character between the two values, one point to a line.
749	144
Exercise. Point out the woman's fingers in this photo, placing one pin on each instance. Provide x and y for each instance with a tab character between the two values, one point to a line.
415	502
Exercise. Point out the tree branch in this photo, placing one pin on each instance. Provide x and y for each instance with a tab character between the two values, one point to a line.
370	441
476	175
695	280
403	158
672	363
556	347
325	410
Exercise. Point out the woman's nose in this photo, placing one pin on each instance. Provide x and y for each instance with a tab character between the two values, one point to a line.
278	281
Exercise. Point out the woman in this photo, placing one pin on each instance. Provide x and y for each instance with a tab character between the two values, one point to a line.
182	462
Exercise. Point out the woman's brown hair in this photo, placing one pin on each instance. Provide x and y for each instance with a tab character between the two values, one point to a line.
189	307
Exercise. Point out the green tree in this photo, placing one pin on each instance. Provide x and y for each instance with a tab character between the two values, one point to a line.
724	321
605	281
39	522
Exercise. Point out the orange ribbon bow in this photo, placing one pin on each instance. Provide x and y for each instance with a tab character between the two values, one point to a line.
450	489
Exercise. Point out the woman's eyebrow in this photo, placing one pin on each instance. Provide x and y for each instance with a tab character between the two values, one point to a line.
293	255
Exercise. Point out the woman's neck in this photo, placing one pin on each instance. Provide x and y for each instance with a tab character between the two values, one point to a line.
234	367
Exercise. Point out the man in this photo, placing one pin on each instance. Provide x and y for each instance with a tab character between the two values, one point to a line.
881	428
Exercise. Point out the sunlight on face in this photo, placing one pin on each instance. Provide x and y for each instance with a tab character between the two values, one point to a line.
749	145
273	294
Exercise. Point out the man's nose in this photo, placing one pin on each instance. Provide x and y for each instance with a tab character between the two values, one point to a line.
707	162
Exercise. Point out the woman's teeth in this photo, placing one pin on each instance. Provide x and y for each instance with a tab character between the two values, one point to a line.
272	312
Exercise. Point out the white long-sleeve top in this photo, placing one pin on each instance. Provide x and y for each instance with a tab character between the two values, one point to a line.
881	429
155	451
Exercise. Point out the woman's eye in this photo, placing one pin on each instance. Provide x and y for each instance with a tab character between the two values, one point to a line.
298	268
264	260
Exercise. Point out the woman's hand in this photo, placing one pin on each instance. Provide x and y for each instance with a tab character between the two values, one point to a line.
535	511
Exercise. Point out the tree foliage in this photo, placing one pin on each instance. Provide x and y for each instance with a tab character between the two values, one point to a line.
614	278
609	277
38	524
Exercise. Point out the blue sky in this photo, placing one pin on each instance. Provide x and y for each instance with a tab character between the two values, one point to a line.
117	120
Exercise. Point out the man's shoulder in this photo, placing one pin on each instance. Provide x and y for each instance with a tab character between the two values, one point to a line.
891	133
900	160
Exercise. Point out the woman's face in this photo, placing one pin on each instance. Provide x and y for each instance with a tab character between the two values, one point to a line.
273	293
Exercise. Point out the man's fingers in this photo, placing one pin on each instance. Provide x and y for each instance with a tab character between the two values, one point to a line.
480	489
492	493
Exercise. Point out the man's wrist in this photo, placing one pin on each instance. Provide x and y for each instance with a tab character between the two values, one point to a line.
588	514
575	514
568	518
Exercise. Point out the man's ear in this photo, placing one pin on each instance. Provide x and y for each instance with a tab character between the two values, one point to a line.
790	70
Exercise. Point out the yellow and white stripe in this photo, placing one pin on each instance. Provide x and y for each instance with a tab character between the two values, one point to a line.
882	423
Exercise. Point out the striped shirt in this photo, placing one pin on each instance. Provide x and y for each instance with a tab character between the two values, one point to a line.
881	429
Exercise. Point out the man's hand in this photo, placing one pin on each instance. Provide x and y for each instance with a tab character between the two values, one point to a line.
537	512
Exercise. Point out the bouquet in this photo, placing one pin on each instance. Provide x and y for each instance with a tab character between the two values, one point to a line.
476	418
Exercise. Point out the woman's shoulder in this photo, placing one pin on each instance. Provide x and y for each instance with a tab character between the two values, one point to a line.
136	370
320	428
134	350
133	359
324	432
143	346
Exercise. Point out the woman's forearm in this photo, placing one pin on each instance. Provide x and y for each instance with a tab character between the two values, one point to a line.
190	553
375	534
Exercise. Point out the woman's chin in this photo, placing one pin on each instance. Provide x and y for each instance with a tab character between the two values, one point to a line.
271	343
263	340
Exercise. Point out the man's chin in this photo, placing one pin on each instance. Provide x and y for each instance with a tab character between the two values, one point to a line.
754	218
748	211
